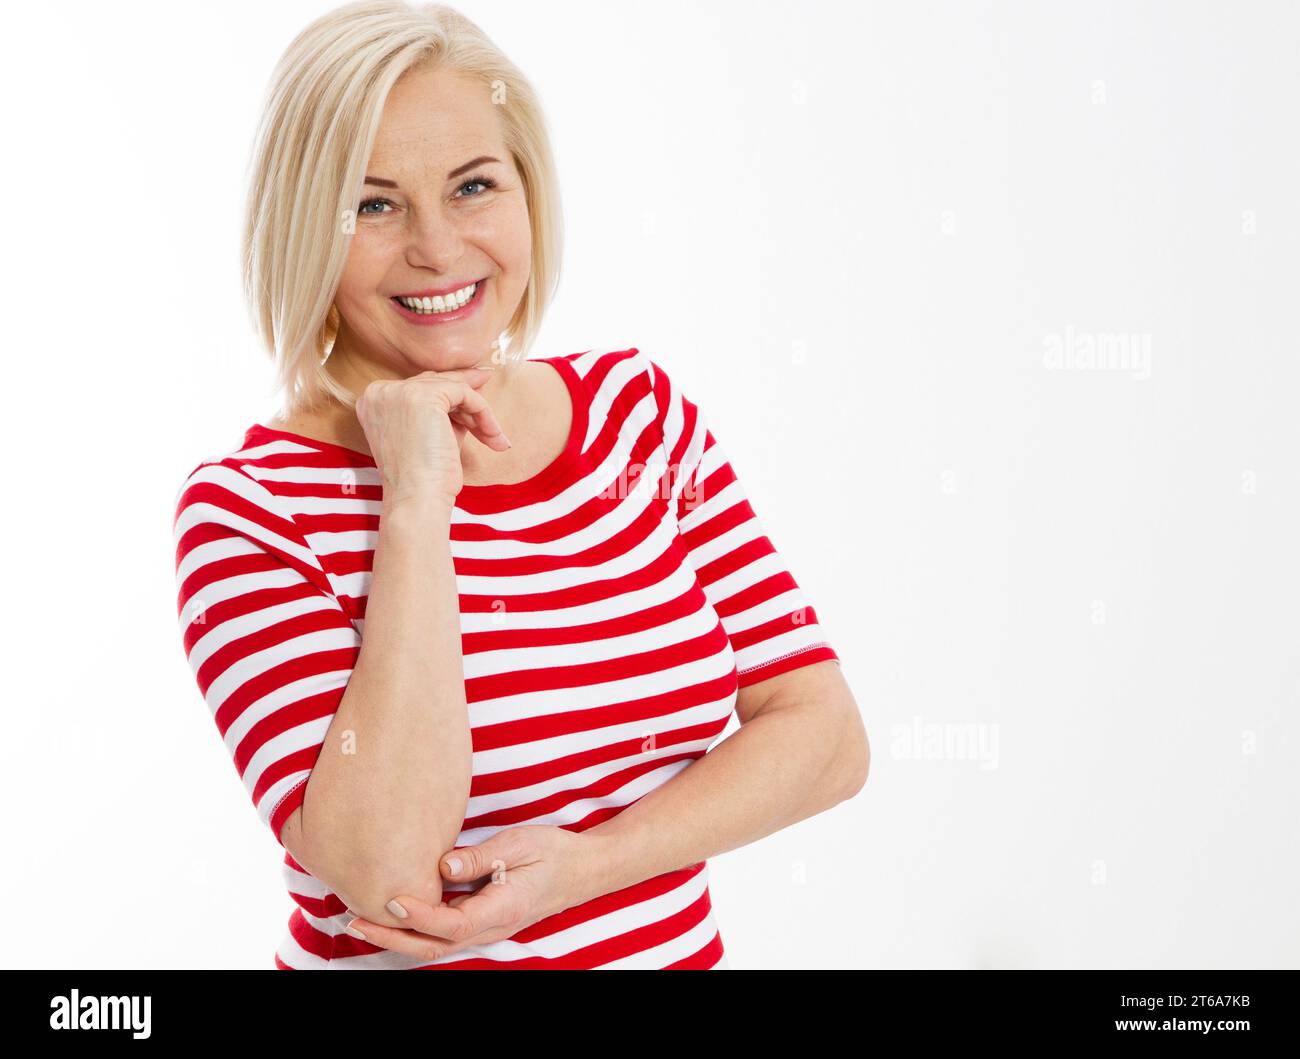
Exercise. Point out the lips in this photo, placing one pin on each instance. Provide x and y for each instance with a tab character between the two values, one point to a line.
440	293
445	315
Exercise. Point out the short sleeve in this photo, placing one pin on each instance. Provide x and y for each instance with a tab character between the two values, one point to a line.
772	626
268	641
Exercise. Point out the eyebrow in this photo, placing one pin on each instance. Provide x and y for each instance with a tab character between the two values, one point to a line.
481	160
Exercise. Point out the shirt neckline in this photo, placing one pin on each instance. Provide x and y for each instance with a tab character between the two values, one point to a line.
483	497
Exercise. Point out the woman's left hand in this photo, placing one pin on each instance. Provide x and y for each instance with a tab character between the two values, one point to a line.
536	871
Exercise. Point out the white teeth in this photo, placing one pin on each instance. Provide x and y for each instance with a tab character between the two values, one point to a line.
441	303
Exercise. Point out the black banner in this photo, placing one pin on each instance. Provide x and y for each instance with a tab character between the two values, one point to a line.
1225	1009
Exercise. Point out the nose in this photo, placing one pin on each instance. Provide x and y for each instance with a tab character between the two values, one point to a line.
434	241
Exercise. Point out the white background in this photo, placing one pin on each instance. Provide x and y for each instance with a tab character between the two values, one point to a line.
851	232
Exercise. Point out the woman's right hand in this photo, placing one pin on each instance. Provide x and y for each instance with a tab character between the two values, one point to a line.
414	427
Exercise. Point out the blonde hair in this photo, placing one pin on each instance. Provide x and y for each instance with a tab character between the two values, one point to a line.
318	128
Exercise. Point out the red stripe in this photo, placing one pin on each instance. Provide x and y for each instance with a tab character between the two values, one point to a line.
704	960
784	665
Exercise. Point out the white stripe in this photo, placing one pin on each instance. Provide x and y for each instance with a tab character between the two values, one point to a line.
533	704
796	641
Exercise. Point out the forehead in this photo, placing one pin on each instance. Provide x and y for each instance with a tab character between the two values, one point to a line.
432	117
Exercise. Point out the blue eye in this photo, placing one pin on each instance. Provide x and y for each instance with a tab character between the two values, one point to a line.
485	182
372	202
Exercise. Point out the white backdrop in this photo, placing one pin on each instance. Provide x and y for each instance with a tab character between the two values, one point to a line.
992	306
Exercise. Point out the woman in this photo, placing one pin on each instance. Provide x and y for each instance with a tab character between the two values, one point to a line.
463	619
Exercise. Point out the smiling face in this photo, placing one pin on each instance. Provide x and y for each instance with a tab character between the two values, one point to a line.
443	216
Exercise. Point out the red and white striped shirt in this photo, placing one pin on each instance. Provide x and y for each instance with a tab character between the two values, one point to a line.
625	592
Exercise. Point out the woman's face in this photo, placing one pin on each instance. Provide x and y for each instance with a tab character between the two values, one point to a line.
443	209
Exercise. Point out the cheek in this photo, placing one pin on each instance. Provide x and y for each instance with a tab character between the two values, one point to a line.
366	265
504	231
521	237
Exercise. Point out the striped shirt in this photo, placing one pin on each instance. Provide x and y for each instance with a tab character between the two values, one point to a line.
611	607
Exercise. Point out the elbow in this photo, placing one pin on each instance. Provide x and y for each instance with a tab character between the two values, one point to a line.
368	893
366	880
857	763
367	886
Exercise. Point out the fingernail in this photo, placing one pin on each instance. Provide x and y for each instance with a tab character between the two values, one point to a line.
506	439
396	909
453	865
355	933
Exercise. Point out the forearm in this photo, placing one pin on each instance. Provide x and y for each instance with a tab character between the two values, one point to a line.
767	775
388	793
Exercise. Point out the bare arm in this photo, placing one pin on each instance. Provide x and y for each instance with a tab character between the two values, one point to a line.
801	749
389	791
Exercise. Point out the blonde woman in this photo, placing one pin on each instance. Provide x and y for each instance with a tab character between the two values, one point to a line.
469	622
